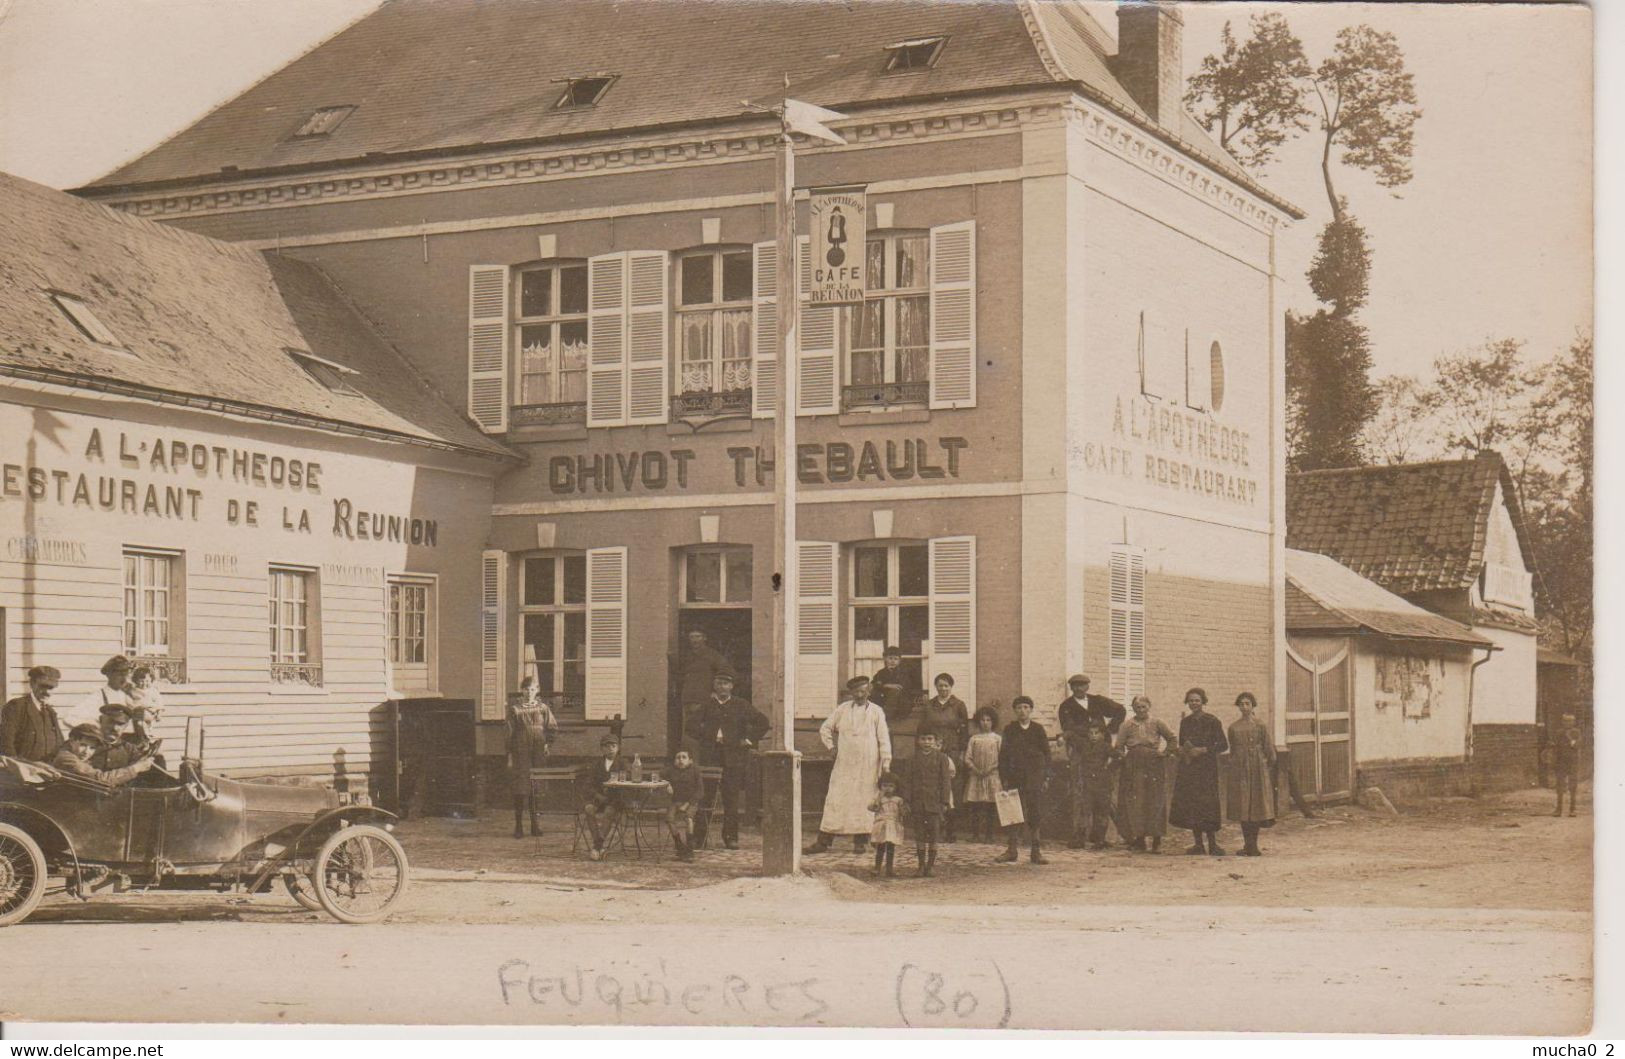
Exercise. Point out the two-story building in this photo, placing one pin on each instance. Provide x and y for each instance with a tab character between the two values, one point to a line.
1048	439
210	462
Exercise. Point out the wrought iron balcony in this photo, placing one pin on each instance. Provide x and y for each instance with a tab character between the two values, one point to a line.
164	668
886	395
711	404
306	673
569	413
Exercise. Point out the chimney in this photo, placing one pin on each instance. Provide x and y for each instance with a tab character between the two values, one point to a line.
1149	59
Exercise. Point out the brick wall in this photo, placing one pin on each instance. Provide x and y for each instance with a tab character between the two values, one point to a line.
1409	782
1504	756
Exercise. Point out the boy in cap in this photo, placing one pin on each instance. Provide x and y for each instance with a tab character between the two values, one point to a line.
29	726
687	788
730	727
600	805
87	709
74	758
1024	766
1566	743
858	735
930	795
1092	808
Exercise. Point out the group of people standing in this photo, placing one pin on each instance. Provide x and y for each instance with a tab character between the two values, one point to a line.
1117	770
104	735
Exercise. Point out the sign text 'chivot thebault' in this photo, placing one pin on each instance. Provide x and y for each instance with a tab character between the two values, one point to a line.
837	220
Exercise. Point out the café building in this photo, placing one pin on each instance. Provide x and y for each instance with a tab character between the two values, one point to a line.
1046	437
210	462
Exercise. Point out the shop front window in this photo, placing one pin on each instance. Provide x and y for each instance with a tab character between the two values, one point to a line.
553	619
890	606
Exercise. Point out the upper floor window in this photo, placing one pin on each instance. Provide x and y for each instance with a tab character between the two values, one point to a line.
714	322
294	625
411	633
550	340
888	336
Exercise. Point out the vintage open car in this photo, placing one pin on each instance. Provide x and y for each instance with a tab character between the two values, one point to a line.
191	829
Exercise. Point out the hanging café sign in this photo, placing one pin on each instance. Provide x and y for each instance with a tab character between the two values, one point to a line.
837	220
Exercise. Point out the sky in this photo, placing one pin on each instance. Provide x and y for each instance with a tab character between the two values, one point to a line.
1491	239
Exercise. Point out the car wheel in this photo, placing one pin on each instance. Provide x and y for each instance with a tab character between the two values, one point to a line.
302	890
22	875
360	874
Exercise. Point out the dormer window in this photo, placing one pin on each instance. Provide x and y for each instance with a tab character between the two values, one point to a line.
334	377
87	323
920	54
584	91
322	122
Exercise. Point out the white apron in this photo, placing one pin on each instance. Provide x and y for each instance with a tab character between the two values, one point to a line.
862	746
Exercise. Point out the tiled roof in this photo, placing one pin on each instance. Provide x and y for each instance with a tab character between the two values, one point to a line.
436	75
1327	597
202	321
1410	527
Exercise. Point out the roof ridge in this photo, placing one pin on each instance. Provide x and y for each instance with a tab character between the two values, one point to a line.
1374	468
1036	30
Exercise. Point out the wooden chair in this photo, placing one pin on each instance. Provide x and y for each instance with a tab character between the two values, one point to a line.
710	804
553	777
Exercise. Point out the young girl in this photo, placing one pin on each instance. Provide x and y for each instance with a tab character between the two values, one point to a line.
888	829
982	775
146	701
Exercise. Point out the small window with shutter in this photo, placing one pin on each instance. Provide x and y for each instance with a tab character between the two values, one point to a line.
1126	622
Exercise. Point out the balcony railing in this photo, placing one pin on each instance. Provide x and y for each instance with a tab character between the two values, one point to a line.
711	405
886	395
164	668
306	673
569	413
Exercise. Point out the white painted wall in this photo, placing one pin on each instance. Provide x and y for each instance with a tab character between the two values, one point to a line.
1387	728
1505	689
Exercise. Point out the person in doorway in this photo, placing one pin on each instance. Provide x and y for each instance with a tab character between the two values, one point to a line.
887	830
1566	743
73	758
1196	787
531	730
1075	714
697	671
1252	763
1092	796
87	709
858	735
1144	744
686	790
945	717
1024	767
930	797
982	776
891	688
600	805
29	726
731	727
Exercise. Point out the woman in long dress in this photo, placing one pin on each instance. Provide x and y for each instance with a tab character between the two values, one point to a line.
1142	798
1196	787
858	735
1252	763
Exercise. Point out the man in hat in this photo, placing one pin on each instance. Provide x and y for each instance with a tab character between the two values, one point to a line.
84	740
120	745
697	669
858	735
728	729
1076	714
29	727
88	708
891	687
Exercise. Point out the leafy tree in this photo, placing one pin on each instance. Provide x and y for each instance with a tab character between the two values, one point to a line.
1400	431
1328	357
1251	95
1368	109
1488	398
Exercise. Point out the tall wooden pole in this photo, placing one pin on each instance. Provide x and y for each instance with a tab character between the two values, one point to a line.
781	774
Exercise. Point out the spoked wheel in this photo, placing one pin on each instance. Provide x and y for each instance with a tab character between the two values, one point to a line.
301	889
360	874
22	875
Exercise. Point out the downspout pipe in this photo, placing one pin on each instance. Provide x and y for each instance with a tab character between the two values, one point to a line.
1472	685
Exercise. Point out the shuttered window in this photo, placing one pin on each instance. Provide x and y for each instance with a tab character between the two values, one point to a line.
953	316
1126	623
606	633
493	619
953	613
816	694
765	322
488	346
627	332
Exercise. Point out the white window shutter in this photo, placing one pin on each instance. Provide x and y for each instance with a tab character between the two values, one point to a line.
488	347
816	694
765	333
648	333
953	315
818	384
952	578
606	339
493	600
606	633
1126	627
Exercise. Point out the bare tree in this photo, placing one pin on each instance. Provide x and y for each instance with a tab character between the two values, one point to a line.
1402	430
1251	95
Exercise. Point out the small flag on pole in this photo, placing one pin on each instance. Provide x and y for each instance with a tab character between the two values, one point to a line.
808	119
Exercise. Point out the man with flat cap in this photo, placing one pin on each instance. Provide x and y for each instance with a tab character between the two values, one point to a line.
1076	714
87	709
29	727
858	735
74	758
727	730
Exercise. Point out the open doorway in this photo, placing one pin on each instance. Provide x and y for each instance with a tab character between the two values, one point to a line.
713	598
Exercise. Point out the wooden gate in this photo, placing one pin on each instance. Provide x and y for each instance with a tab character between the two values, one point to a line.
1318	726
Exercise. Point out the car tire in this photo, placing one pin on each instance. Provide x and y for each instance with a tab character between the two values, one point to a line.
302	890
22	875
334	880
